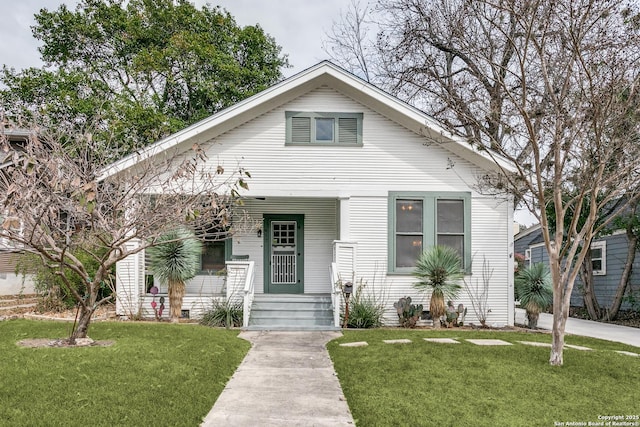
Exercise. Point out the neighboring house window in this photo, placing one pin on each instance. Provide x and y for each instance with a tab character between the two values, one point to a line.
418	220
307	128
527	257
599	258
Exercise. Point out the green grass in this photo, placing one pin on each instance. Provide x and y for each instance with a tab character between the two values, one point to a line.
154	374
424	383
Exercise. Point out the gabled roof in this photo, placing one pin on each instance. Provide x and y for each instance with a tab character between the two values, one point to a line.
530	235
322	74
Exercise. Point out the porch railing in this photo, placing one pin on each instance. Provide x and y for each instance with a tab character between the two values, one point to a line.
240	284
248	293
335	293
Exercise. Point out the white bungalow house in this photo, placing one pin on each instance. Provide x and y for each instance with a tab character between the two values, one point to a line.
348	182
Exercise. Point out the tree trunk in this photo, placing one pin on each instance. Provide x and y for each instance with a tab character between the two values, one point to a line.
437	308
82	327
559	324
632	243
176	295
532	319
588	293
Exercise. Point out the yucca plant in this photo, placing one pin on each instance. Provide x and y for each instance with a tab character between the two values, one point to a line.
223	313
175	260
439	269
534	288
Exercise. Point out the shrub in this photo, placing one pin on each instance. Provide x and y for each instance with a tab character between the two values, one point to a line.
366	309
223	313
365	312
535	291
54	293
439	269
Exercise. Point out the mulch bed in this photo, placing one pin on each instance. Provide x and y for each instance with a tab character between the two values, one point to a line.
62	343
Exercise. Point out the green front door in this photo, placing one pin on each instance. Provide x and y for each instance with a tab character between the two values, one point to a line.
284	254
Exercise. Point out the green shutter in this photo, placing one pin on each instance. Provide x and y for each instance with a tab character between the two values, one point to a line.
348	130
301	129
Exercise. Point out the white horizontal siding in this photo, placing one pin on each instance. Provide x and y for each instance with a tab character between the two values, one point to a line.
196	304
203	284
10	282
491	226
391	157
129	283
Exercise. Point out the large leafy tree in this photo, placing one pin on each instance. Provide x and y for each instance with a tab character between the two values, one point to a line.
551	85
140	68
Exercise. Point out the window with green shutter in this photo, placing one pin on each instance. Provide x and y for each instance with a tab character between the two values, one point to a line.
314	128
418	220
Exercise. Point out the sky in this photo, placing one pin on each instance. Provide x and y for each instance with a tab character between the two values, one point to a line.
298	26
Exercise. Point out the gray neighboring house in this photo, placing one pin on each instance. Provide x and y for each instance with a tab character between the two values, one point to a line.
608	257
10	282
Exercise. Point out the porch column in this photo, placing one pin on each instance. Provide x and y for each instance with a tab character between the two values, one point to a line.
344	214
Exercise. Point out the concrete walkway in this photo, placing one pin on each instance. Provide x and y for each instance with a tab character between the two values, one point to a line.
588	328
287	378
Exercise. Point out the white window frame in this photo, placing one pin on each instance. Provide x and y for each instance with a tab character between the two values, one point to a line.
313	137
429	232
602	245
527	257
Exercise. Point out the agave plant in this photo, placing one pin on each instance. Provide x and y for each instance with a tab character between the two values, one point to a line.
534	288
175	260
439	269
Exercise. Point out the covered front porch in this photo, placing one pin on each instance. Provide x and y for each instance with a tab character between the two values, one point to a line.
283	269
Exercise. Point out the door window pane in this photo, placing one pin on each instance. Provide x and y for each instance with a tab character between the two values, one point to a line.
283	233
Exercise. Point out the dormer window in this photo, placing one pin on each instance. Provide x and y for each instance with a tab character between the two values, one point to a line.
317	128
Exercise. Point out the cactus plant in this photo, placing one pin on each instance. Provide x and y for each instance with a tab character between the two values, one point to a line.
408	314
455	316
462	313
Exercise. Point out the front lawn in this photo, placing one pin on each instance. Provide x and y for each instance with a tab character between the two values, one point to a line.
430	384
154	375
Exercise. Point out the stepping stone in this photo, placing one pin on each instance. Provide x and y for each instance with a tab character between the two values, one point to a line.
442	340
535	344
577	347
628	353
401	341
355	344
489	342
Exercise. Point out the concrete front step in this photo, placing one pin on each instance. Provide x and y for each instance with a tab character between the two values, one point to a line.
291	312
291	328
